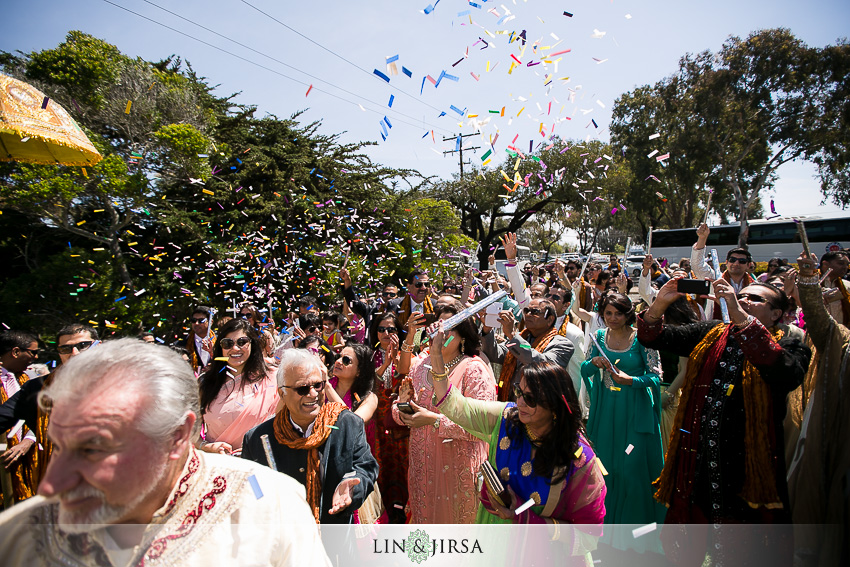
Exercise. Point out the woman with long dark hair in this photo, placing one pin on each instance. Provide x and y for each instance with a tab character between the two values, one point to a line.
537	448
622	378
239	391
444	459
352	383
391	441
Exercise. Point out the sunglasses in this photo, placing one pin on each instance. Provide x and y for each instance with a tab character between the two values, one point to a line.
69	348
346	360
554	297
240	342
198	320
387	329
305	390
530	400
388	294
244	315
739	260
420	285
450	288
311	329
532	311
33	351
753	298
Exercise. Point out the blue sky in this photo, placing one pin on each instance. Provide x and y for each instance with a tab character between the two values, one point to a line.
637	43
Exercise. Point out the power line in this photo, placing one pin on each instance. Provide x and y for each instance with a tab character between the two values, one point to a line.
260	65
335	54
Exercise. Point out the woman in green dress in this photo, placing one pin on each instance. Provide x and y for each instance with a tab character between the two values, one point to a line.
624	423
538	448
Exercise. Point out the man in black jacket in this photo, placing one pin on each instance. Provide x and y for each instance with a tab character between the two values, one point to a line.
320	444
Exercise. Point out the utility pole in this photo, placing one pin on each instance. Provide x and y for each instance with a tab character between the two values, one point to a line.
460	149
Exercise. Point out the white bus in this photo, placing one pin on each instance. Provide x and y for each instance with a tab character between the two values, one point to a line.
768	238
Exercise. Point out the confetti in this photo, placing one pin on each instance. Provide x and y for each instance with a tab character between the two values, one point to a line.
643	530
308	90
255	485
524	507
629	449
129	106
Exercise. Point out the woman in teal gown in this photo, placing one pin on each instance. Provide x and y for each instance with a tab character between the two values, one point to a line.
624	423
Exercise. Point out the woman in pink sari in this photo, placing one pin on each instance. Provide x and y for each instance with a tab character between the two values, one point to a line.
238	391
444	459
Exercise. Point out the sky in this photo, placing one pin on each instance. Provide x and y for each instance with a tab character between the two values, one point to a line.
319	58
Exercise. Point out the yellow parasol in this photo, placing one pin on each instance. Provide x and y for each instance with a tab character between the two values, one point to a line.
34	132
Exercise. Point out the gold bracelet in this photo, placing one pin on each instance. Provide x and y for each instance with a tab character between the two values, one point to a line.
439	377
406	347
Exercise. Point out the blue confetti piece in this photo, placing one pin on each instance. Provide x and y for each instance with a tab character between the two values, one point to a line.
255	484
474	5
595	125
384	138
392	98
407	71
387	120
381	75
422	88
441	115
392	59
428	9
464	13
120	298
457	143
451	77
383	127
440	78
456	109
426	133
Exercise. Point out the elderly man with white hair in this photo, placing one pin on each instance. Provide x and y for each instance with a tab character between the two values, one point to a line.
319	443
125	485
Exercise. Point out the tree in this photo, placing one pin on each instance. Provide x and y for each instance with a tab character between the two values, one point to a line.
491	202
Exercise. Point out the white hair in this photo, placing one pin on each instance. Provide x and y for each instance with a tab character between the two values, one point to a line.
296	358
165	379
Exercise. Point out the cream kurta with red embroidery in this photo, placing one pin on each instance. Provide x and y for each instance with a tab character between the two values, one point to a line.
223	511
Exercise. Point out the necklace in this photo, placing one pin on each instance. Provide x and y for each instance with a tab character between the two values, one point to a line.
535	439
454	362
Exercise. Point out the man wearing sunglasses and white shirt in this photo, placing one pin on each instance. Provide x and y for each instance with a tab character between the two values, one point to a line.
416	300
23	405
737	261
320	444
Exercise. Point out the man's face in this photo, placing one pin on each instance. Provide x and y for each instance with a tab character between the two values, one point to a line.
303	408
557	297
419	288
72	345
20	358
685	265
759	302
535	319
571	271
200	324
389	293
737	265
537	291
838	265
103	469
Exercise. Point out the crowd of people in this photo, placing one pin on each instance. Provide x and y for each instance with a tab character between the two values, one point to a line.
564	401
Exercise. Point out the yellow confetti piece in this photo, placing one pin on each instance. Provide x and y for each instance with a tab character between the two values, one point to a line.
82	222
602	467
207	191
222	358
129	105
578	453
521	109
729	391
85	173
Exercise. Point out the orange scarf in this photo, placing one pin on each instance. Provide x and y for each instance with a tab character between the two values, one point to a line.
510	362
285	434
759	480
24	473
404	308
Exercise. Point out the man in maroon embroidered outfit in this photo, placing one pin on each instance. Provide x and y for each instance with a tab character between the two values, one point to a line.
725	462
125	484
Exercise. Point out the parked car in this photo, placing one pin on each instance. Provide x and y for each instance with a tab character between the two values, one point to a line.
634	265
